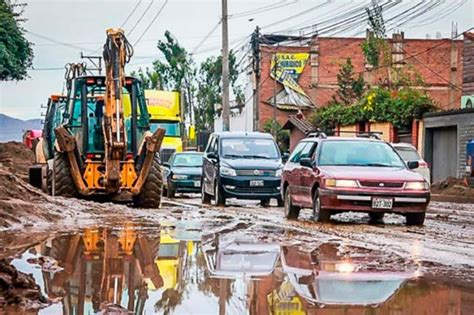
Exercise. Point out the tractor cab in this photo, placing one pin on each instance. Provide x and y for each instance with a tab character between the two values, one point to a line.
85	112
53	118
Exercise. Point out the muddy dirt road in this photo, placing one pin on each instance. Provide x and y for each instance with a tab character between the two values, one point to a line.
244	259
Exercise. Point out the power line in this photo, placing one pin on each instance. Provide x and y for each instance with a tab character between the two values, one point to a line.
263	9
206	37
131	13
73	46
152	21
140	18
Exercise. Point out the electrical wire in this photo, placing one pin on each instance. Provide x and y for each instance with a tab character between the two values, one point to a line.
140	18
206	37
131	13
69	45
263	9
152	21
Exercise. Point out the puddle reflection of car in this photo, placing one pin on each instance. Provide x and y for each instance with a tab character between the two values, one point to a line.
339	282
338	174
182	174
240	258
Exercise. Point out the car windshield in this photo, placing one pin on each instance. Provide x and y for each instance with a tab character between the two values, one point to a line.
187	160
408	154
172	128
249	148
358	153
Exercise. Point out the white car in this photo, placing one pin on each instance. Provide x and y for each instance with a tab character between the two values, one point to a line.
409	153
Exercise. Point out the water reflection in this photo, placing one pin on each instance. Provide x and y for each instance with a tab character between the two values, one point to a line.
173	268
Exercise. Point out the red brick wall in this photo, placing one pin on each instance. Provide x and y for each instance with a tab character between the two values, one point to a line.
295	136
334	51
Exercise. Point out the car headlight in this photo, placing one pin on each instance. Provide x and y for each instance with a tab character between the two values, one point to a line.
417	186
278	172
176	176
227	171
341	183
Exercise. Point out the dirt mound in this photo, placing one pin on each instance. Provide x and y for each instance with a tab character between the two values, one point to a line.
17	158
452	187
18	288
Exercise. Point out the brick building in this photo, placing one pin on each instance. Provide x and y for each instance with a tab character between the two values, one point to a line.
437	61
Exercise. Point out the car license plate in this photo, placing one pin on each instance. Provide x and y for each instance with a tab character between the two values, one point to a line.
197	183
382	203
256	183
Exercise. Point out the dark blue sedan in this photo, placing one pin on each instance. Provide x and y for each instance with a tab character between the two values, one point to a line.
182	173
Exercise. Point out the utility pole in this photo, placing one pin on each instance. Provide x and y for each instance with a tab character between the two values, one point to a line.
275	66
98	64
256	73
225	69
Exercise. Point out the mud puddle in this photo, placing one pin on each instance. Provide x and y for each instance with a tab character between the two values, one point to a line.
228	267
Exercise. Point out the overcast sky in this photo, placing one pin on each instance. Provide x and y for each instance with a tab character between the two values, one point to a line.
60	30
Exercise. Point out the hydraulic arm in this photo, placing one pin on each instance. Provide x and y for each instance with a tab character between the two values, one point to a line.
117	52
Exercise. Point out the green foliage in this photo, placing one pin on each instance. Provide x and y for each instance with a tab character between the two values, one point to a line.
282	136
350	89
150	79
209	89
379	105
202	87
375	43
16	54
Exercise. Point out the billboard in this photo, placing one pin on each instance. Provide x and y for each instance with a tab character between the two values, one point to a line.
286	68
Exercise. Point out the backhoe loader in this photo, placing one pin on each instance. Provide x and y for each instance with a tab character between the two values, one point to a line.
99	150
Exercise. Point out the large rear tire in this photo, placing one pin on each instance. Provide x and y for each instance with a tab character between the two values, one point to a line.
63	183
150	196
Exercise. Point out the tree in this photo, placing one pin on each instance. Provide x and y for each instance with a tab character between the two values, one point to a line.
150	79
282	136
350	89
209	89
176	72
375	43
16	54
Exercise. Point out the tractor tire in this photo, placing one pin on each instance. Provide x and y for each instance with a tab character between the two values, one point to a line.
150	196
63	183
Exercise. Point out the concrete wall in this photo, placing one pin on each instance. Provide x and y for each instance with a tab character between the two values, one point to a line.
463	121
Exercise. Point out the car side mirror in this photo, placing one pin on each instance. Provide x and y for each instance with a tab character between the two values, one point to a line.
306	162
285	156
212	156
413	164
166	164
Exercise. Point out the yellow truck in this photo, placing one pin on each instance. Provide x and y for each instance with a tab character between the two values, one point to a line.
164	108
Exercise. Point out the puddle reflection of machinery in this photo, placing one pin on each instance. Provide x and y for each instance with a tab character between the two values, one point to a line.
103	268
326	279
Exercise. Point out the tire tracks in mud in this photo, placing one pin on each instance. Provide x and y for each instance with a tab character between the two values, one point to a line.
445	239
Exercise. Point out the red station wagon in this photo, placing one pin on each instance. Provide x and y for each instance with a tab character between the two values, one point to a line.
338	174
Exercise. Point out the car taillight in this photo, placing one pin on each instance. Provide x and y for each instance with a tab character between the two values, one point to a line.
89	156
129	156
